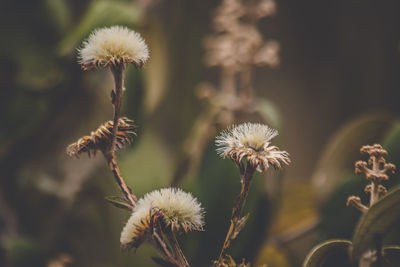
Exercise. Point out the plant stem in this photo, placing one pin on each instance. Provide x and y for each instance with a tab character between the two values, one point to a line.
374	196
116	95
237	210
116	99
126	191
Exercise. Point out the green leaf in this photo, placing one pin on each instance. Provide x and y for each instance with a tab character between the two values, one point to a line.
376	222
331	250
59	14
118	202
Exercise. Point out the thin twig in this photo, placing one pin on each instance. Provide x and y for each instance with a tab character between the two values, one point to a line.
126	191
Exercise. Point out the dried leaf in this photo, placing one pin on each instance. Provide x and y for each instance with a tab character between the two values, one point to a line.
239	226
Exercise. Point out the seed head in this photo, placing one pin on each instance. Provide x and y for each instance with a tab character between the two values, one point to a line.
173	208
251	141
112	46
101	138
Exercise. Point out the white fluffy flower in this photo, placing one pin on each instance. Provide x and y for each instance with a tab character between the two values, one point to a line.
111	46
179	211
251	141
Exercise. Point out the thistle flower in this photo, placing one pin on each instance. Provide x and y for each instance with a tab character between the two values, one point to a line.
112	46
101	138
176	211
251	141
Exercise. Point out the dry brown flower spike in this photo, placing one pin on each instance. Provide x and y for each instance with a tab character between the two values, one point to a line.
375	170
101	138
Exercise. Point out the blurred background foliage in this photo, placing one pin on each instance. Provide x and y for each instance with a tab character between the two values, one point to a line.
336	88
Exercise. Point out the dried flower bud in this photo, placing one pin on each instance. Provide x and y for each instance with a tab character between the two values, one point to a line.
356	202
374	150
101	138
113	46
376	169
252	142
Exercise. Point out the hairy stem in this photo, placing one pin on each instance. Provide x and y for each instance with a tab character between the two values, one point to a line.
109	154
237	209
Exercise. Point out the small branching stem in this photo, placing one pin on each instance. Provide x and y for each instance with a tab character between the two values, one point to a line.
116	98
374	196
246	177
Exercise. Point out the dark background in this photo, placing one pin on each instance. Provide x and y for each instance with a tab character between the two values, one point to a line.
336	88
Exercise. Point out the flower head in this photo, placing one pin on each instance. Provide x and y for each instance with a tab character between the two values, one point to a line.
101	138
172	208
251	141
112	46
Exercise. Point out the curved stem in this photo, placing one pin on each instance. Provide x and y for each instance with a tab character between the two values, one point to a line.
109	154
126	191
237	211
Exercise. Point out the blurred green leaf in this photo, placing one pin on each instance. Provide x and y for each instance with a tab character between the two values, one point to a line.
118	202
343	149
329	253
162	262
269	112
100	13
25	253
376	222
148	166
338	220
59	13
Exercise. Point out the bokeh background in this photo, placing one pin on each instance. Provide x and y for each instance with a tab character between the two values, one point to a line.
336	88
